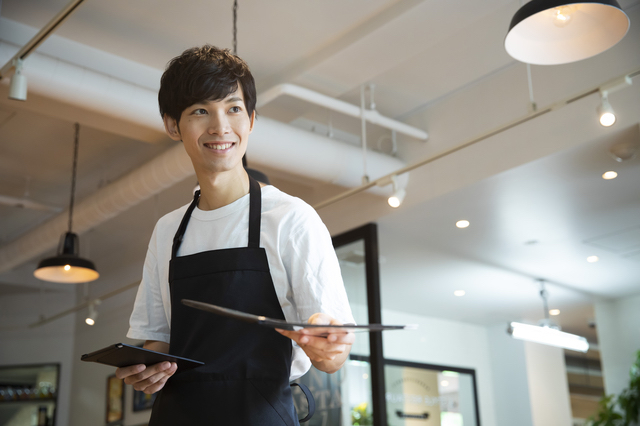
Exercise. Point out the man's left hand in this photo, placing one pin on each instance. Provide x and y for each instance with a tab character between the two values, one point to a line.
328	348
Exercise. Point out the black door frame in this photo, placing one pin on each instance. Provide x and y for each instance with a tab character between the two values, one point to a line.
369	234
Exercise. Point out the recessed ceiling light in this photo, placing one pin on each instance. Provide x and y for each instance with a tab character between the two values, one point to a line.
609	175
444	383
554	312
592	259
462	224
459	293
365	376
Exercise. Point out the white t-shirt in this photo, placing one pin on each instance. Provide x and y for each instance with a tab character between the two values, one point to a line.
304	267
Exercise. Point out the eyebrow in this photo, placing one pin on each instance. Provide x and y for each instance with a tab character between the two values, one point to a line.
233	99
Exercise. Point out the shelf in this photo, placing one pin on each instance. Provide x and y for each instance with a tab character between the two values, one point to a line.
29	401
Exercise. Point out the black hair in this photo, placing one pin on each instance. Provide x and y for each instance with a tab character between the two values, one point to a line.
204	73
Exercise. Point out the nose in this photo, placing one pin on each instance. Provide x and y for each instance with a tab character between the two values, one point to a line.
219	124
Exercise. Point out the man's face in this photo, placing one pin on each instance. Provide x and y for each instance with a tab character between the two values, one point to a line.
214	133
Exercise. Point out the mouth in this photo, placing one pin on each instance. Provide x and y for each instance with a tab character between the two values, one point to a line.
219	146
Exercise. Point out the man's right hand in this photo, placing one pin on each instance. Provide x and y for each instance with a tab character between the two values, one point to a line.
147	379
152	378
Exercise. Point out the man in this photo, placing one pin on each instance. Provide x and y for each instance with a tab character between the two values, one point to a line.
239	245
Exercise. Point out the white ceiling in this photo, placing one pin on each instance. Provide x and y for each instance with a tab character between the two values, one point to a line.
537	204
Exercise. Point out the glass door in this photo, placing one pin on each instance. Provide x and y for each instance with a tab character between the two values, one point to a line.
355	394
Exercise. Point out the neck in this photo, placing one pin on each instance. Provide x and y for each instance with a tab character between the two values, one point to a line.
220	189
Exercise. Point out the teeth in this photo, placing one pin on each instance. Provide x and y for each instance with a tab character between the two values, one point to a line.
220	146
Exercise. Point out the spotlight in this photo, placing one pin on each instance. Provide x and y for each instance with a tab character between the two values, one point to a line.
398	194
609	175
18	88
462	224
605	112
93	313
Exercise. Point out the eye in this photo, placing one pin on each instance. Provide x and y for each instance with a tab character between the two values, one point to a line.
235	109
200	111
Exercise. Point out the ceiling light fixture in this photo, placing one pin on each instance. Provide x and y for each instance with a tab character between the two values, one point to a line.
554	312
398	194
67	266
18	87
547	332
609	175
93	312
592	259
551	32
462	224
459	293
606	115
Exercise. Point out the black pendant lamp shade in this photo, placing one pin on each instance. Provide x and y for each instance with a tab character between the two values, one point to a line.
551	32
67	266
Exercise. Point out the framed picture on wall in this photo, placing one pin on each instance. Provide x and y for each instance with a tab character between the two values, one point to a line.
142	401
115	400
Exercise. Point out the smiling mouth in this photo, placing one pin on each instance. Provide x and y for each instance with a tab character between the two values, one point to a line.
219	146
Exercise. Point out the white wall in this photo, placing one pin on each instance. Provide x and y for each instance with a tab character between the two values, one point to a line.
510	382
618	325
548	387
449	343
89	384
49	344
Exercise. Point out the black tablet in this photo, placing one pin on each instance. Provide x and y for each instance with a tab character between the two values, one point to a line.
284	325
123	355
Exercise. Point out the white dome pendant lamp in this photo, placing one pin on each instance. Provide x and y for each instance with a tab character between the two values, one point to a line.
67	266
552	32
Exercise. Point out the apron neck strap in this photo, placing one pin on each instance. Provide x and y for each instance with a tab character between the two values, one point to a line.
255	210
177	239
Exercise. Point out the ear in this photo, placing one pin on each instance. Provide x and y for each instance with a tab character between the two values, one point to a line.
253	119
171	127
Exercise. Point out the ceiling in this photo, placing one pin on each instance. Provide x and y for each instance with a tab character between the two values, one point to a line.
533	193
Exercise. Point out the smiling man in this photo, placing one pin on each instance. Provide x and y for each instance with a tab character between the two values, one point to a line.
240	245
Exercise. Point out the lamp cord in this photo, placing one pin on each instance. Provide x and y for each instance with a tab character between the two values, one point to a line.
235	28
73	175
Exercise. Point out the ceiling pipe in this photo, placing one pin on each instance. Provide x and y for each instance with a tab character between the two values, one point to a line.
370	115
273	144
25	203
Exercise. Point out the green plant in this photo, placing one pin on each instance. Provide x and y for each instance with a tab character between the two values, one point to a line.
360	416
624	409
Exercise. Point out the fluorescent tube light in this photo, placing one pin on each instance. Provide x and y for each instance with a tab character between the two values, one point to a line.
548	336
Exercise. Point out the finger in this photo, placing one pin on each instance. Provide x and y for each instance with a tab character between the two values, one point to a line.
322	345
147	372
123	372
154	380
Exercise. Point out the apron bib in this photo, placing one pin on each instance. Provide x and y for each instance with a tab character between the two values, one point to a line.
245	379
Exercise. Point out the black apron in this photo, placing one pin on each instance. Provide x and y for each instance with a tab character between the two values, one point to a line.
245	379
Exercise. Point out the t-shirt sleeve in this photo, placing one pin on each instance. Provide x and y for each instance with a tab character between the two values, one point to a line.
149	320
314	271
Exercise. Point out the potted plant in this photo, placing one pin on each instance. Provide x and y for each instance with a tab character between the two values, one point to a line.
623	409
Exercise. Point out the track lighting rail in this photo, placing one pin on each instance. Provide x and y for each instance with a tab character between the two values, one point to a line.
39	38
84	305
385	180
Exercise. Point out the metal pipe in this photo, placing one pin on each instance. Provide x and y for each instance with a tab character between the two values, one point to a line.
346	108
